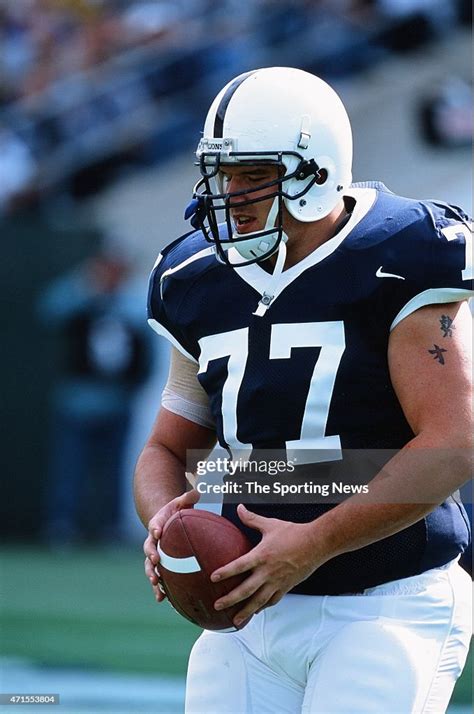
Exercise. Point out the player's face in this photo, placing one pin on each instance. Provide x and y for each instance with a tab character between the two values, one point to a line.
250	217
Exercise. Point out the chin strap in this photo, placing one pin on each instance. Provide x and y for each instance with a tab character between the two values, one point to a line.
273	281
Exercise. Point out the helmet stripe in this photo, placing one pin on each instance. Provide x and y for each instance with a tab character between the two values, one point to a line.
224	103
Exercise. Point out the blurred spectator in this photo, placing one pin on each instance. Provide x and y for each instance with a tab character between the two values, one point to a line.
409	8
151	20
446	114
106	344
17	169
411	23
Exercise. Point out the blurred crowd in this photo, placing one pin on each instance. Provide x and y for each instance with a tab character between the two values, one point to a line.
87	85
44	41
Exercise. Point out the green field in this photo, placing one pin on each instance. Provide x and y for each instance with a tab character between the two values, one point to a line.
94	609
88	608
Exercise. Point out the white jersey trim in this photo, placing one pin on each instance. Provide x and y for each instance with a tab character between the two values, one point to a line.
158	260
158	327
433	296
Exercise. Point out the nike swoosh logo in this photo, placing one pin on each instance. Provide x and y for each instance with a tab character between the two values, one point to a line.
381	274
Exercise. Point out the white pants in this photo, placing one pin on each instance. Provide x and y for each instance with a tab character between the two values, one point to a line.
396	649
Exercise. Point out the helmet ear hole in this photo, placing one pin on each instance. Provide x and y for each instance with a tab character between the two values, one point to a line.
322	177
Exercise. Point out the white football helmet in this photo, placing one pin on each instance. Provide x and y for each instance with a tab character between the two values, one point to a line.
277	115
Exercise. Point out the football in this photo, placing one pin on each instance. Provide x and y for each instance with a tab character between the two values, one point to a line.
193	544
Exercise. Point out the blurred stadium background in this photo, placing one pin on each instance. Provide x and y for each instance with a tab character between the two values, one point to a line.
101	104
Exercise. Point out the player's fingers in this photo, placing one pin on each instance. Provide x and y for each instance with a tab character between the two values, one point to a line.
253	559
258	602
276	597
158	522
155	581
243	591
149	548
158	593
159	589
254	520
150	572
190	498
240	565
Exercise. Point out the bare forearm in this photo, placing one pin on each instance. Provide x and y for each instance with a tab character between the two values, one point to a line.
409	487
160	472
159	477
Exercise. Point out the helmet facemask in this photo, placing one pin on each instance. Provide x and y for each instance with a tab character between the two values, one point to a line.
214	204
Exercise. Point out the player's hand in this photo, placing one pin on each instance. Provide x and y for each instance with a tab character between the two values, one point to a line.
155	526
285	556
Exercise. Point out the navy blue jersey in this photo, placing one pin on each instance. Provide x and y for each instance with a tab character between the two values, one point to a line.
311	373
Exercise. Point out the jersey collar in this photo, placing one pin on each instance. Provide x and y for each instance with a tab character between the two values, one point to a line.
258	278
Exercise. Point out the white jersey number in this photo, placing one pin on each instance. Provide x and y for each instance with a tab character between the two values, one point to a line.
455	232
329	336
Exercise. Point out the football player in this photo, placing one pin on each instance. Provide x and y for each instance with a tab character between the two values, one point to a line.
312	315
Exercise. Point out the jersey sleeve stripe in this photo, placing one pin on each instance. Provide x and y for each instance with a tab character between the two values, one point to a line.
158	260
433	296
197	256
158	327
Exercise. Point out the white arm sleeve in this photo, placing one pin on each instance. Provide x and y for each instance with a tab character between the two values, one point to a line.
183	394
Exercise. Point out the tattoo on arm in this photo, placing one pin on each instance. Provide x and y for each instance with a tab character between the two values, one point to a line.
446	325
438	353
